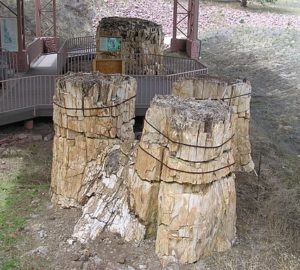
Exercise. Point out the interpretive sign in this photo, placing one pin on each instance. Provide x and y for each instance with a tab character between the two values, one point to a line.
9	34
110	44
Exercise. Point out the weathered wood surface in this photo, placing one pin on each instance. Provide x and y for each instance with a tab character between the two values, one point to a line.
185	135
138	35
237	95
106	196
141	47
195	220
176	184
91	111
183	188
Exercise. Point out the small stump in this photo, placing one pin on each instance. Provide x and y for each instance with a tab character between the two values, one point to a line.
235	94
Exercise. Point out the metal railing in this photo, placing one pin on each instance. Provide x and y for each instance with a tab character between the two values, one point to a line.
35	49
155	74
136	64
26	93
8	64
78	43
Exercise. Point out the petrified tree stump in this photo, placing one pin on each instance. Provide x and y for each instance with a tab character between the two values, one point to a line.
138	35
91	112
183	187
141	42
237	95
176	184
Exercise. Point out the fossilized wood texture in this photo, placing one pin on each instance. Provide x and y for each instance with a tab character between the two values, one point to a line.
138	35
106	195
141	47
91	111
195	220
184	165
237	95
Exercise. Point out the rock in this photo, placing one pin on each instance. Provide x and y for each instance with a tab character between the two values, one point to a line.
20	136
48	137
39	251
42	234
36	137
121	259
71	241
237	94
177	183
75	257
96	261
34	202
85	266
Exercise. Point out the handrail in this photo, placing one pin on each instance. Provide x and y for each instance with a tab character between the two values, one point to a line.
32	95
35	49
135	64
26	92
8	64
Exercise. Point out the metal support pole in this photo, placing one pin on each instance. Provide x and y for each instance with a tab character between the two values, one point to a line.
54	18
38	20
21	26
190	44
193	43
45	10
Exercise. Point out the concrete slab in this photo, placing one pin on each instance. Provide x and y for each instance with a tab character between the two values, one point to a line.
46	64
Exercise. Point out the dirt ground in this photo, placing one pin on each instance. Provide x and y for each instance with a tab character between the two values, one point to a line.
268	207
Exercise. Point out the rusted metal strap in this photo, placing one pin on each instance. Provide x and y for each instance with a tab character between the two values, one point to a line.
182	171
223	99
95	108
185	144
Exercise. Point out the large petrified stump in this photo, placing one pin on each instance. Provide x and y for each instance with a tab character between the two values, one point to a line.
138	35
176	184
183	187
237	95
141	44
91	112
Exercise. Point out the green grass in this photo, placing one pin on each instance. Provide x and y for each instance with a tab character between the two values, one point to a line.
10	264
22	184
